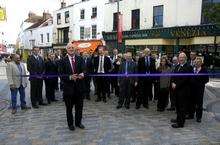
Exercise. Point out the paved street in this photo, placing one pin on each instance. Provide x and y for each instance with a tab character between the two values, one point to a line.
104	125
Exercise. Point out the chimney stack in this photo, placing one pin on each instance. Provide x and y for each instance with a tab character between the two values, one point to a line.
46	15
63	4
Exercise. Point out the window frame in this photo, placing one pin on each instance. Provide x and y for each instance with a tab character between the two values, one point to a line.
94	34
82	35
82	18
158	15
67	18
58	20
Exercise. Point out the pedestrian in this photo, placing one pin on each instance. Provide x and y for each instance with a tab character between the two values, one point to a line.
36	68
72	75
88	70
102	65
126	83
181	86
172	92
164	84
115	69
198	87
146	65
51	71
17	81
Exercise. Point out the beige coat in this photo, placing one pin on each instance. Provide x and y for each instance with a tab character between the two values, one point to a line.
13	75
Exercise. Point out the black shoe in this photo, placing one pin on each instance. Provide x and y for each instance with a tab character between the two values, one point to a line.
88	98
98	100
160	110
13	111
104	100
81	126
146	106
173	121
119	106
189	117
198	120
35	106
177	125
171	109
72	128
42	104
55	100
137	107
25	108
132	101
127	107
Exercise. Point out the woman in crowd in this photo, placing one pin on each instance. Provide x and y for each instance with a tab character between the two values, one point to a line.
164	83
51	69
198	84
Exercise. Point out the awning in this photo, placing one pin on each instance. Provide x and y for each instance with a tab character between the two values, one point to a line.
198	40
150	42
87	45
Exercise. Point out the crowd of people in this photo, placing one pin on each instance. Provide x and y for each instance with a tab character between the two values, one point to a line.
77	71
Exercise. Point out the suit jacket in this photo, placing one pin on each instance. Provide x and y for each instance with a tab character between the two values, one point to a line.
88	65
198	82
182	82
51	68
72	88
142	68
13	75
107	64
131	69
35	67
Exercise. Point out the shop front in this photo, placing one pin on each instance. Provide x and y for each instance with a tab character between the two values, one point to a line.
166	40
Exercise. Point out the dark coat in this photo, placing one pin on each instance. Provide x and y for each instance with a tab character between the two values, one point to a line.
198	82
35	66
107	64
131	69
51	68
182	82
143	68
71	88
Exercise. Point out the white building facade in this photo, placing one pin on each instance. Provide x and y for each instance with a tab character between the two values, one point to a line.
39	35
162	23
85	22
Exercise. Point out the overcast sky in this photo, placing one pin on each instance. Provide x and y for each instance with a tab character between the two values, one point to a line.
17	11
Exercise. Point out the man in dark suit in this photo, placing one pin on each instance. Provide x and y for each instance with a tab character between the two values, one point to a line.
36	66
190	102
102	65
115	69
146	65
181	87
126	83
88	70
72	74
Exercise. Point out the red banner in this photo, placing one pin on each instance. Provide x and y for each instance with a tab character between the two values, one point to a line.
120	35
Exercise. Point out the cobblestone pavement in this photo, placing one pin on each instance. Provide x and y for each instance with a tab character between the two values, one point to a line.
105	125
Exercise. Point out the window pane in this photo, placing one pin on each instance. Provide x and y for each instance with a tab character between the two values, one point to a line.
158	16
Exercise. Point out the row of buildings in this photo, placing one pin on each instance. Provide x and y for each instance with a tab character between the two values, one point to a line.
162	25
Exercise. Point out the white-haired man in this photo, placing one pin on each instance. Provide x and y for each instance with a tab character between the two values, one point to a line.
181	87
72	74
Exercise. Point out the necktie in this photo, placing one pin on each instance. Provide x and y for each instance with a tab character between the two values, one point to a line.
126	67
73	64
179	68
101	64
